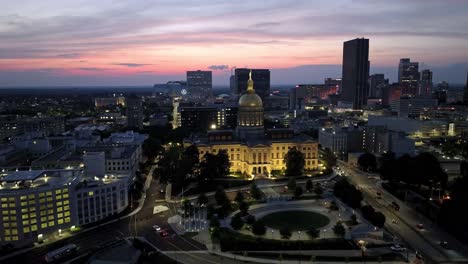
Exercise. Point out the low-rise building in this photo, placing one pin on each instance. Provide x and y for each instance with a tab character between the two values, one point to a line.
39	204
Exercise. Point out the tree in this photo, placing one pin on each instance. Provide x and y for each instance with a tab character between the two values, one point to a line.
298	192
292	184
378	219
223	163
244	208
285	232
259	228
214	222
348	193
220	196
202	199
239	197
309	185
328	159
255	192
295	162
353	219
339	229
367	162
313	232
333	205
151	148
318	190
236	222
387	167
250	219
367	211
214	166
191	159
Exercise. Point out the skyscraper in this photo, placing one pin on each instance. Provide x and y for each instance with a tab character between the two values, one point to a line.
199	83
376	84
134	111
408	76
425	88
355	72
261	77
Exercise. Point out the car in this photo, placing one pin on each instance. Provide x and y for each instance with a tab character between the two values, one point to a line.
164	233
157	228
395	206
394	221
378	195
419	256
444	244
398	248
420	226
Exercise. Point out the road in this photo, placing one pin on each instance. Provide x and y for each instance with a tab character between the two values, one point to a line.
139	224
426	241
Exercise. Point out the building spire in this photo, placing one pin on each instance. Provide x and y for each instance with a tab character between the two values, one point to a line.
250	88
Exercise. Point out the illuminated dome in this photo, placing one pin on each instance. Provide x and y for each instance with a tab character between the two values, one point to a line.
250	98
250	114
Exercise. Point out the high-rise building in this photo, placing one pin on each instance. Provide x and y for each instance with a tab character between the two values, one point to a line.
465	94
134	111
261	77
376	84
199	84
355	72
408	76
306	94
425	88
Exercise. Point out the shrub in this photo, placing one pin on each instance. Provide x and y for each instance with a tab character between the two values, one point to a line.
285	233
259	228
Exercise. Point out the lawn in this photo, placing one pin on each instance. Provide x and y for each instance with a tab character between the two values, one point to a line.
295	220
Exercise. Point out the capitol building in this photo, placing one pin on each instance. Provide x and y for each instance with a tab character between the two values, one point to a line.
252	149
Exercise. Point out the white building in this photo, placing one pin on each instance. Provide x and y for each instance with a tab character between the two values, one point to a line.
341	140
35	204
101	198
412	107
39	204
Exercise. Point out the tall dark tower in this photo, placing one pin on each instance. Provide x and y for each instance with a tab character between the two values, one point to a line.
355	72
465	94
261	77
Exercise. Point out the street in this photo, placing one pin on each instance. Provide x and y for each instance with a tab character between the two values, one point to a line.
426	240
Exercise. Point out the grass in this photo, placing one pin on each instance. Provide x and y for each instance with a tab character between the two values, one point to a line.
233	241
295	220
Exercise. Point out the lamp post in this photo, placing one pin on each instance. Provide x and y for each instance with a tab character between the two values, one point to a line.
362	244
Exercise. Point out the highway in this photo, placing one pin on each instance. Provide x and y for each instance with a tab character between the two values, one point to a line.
426	240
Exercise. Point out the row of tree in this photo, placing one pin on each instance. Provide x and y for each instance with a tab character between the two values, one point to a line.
421	170
451	215
350	195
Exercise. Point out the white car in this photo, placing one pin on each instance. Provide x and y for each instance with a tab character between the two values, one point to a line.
397	248
157	228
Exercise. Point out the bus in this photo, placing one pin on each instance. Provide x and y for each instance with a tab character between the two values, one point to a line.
61	253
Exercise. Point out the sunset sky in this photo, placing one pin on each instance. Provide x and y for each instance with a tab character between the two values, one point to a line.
103	42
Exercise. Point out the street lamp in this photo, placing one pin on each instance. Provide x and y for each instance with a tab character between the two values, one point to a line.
362	244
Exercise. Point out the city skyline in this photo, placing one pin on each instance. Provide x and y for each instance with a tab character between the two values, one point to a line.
88	43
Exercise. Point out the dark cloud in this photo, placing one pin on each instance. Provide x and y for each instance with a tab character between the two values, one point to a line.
132	65
69	55
218	67
92	69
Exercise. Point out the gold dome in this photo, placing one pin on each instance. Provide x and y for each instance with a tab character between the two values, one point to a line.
250	98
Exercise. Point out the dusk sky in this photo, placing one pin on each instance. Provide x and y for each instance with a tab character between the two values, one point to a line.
77	43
